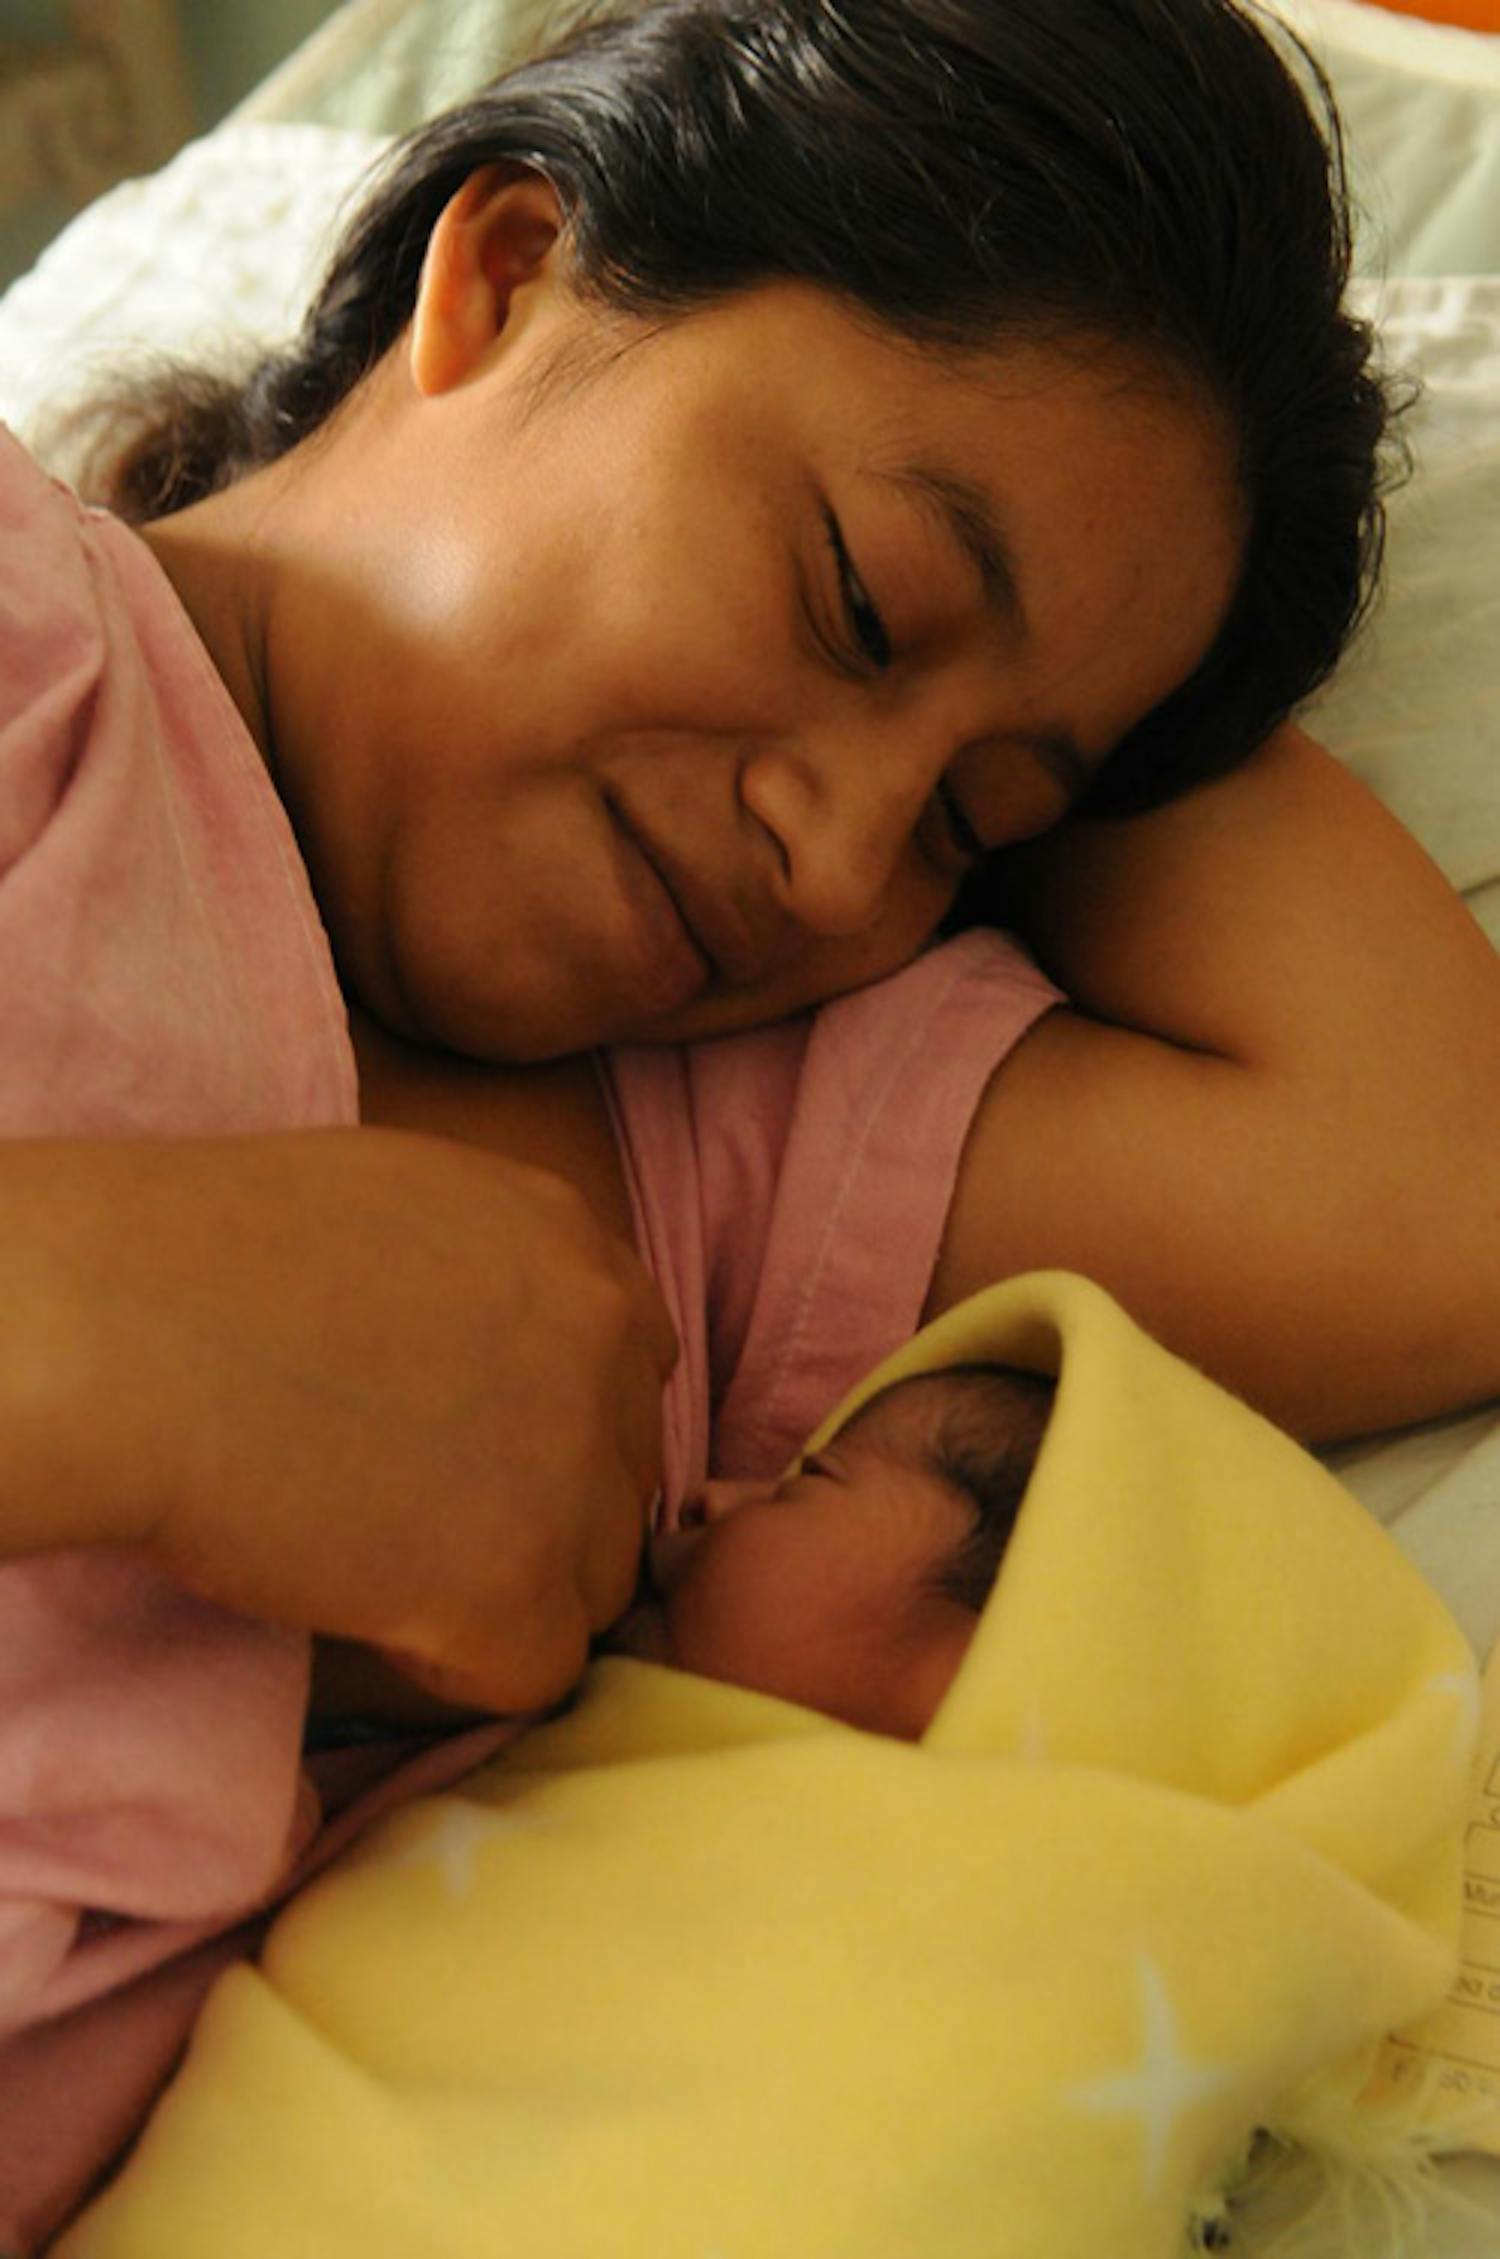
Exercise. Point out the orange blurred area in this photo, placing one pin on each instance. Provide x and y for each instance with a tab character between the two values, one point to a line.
1474	15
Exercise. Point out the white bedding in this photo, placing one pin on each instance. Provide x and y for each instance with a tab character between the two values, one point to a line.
222	245
1421	109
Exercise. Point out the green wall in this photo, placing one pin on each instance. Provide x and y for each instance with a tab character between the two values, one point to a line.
231	44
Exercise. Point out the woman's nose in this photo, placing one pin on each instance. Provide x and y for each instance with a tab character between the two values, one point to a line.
842	808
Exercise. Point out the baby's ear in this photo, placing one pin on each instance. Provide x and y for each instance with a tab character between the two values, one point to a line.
496	238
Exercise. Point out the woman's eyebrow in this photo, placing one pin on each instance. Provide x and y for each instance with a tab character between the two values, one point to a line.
967	515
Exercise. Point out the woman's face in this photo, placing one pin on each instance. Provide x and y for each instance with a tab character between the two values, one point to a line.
632	683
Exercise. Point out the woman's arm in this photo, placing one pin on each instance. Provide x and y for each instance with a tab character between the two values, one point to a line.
1271	1123
368	1383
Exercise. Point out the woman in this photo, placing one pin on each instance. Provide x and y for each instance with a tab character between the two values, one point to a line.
741	476
744	477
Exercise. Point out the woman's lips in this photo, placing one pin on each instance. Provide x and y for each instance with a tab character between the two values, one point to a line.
671	968
731	920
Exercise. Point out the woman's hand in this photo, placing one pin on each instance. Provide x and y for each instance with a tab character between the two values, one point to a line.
368	1383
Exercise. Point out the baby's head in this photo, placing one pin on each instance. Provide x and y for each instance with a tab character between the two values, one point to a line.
853	1585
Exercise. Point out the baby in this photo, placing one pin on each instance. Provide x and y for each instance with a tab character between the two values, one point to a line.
853	1584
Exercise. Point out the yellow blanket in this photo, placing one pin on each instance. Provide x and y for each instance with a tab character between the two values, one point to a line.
692	1974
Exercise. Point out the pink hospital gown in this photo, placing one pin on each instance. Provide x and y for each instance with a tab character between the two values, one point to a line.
165	971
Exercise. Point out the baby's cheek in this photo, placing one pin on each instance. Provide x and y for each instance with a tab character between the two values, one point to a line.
715	1625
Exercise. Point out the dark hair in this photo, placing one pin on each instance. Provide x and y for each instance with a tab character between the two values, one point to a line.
1145	171
991	1422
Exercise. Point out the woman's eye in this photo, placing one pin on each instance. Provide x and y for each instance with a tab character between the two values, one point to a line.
866	626
962	833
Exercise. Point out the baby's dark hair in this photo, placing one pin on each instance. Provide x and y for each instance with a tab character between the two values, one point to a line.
983	1445
967	174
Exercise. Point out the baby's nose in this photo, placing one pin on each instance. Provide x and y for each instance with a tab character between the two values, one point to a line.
721	1497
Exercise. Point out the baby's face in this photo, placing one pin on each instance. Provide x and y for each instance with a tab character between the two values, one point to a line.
814	1588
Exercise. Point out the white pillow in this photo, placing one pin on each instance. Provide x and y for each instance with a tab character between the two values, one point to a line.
1415	708
384	65
1421	109
219	249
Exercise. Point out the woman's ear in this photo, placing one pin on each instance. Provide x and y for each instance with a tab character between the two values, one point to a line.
498	234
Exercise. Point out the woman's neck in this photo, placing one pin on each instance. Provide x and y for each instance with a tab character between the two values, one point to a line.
206	555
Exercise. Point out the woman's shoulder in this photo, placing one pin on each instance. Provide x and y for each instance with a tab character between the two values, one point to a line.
51	641
168	970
